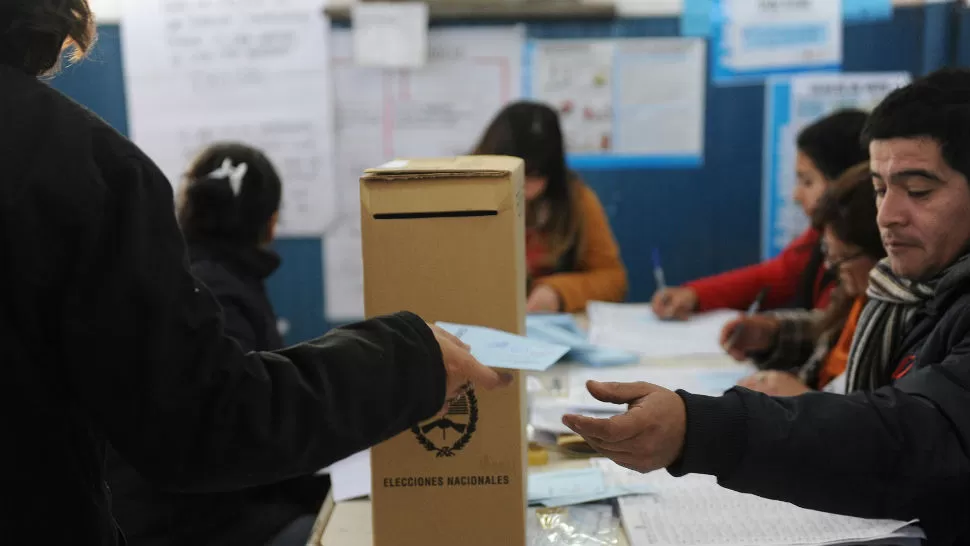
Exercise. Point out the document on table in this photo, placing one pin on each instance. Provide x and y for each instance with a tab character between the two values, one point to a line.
579	486
562	329
696	510
500	349
546	412
636	328
350	478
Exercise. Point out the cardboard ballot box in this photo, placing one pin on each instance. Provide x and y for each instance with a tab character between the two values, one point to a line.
445	238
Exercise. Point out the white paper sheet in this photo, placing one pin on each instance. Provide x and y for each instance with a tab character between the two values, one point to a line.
390	34
634	327
438	110
630	96
570	487
695	510
255	72
351	477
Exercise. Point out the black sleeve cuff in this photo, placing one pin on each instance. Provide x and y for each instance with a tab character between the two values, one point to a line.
716	435
432	404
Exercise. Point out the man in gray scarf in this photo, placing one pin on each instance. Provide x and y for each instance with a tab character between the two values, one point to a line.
899	446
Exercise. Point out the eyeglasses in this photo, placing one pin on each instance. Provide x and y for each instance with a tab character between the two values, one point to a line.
835	264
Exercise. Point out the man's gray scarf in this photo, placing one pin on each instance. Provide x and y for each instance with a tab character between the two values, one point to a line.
884	321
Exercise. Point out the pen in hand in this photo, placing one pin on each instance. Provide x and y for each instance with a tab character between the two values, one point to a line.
755	306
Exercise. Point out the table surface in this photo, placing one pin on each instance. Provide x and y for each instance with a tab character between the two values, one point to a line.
349	523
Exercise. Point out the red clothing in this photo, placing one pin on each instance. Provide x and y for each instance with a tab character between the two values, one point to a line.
782	274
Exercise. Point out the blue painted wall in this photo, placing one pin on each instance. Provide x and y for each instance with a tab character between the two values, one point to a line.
704	220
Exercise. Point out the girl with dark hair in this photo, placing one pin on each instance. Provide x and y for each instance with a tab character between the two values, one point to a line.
797	277
228	208
571	254
107	336
804	350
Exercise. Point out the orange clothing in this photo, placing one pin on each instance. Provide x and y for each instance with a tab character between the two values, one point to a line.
598	273
838	357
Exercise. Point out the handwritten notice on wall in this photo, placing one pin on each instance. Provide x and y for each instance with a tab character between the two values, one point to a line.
438	110
255	72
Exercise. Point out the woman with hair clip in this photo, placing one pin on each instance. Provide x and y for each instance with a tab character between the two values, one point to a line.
805	350
227	207
571	255
797	277
107	336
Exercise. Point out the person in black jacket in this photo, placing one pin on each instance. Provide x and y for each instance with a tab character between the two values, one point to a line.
107	336
899	446
227	209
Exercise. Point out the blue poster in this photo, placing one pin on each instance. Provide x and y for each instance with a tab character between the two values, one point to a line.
791	103
695	20
753	40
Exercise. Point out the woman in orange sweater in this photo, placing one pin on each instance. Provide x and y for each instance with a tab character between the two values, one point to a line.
571	254
804	350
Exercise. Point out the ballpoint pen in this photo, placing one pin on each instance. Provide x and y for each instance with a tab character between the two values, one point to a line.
755	306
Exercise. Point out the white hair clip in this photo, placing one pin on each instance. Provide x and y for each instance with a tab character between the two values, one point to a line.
235	174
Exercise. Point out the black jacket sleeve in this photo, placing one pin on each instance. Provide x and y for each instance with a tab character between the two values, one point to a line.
235	323
900	452
179	400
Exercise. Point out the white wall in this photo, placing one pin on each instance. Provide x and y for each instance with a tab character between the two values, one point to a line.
109	11
106	11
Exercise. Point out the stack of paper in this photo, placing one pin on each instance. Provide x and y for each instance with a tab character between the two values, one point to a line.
563	330
696	510
635	328
578	486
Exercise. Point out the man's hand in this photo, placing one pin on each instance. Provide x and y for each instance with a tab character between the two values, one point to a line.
649	436
774	383
462	369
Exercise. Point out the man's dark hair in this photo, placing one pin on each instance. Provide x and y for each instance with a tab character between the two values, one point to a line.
34	33
832	142
936	106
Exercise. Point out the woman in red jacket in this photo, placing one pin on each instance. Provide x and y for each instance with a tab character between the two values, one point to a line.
797	277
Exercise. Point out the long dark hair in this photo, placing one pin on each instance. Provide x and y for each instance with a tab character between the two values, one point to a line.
848	209
832	143
211	208
34	33
531	131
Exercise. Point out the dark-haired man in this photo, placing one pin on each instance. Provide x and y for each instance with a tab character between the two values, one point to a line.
899	445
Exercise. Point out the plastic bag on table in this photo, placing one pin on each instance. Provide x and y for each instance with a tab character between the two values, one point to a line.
590	525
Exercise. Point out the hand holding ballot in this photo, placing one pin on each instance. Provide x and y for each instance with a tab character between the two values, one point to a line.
649	436
462	368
